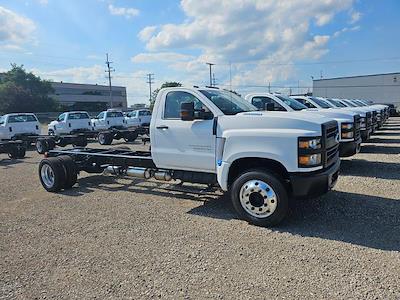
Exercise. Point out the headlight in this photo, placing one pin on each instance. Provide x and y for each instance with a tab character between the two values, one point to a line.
310	160
347	130
309	143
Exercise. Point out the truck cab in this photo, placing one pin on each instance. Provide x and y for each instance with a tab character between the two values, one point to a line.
70	122
15	125
349	123
366	116
214	137
137	118
109	119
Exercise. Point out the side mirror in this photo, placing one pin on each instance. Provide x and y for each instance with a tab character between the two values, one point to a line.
187	111
269	106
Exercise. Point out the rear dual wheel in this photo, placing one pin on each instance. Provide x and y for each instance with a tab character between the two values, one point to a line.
44	145
260	197
17	152
57	173
105	138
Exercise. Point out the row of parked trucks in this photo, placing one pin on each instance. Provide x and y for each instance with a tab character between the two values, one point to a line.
262	150
70	128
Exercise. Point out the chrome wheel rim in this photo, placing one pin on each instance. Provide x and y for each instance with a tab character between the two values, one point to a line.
39	146
47	175
258	198
101	138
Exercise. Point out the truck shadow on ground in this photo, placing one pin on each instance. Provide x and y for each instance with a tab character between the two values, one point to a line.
380	149
363	220
7	163
364	168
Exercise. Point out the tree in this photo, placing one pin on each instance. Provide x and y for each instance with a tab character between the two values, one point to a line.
164	85
24	92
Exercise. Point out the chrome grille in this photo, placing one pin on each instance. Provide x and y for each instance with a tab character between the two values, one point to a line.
330	131
357	127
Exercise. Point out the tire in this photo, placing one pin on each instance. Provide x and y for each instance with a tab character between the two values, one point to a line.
105	138
260	197
81	141
71	173
41	146
52	174
62	142
131	136
51	144
17	152
51	132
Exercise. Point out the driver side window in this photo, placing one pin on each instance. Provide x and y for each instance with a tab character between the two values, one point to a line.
305	102
173	103
260	103
61	118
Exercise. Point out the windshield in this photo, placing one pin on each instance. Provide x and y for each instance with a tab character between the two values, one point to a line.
21	118
349	103
78	116
114	114
335	103
321	102
359	103
229	103
294	104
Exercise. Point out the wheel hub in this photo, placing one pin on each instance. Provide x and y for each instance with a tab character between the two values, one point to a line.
258	198
47	175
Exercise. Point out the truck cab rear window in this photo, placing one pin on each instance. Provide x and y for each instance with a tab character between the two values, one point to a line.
114	114
21	119
78	116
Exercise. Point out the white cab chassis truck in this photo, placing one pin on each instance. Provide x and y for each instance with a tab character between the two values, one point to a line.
349	123
18	125
70	123
137	118
214	137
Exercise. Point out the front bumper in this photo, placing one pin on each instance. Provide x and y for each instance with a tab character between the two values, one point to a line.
347	149
314	184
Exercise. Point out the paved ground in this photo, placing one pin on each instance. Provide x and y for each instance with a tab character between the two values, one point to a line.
110	238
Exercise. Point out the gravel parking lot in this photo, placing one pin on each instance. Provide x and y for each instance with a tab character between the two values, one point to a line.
114	238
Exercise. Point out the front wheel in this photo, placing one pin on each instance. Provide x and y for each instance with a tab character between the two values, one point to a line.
260	197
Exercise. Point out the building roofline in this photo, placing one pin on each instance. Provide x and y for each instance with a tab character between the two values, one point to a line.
91	84
344	77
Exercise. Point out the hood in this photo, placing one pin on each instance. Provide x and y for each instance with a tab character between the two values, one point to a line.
337	114
302	122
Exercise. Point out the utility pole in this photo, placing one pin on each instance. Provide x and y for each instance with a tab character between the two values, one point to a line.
213	80
109	70
150	81
230	76
269	87
210	65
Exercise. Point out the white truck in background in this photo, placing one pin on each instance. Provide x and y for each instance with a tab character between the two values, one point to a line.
109	119
349	123
16	125
70	123
138	118
214	137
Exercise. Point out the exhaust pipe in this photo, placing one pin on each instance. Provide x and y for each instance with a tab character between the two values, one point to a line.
163	175
112	170
140	172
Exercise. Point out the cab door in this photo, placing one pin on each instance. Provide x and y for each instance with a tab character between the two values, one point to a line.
185	145
61	126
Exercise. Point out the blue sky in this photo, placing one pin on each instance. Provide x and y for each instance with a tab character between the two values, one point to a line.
258	42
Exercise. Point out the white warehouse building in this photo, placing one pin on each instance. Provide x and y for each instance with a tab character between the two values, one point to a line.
87	96
379	88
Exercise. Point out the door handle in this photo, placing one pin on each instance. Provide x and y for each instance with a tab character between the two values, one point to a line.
162	127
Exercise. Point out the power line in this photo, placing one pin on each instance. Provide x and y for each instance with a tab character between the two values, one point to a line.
109	70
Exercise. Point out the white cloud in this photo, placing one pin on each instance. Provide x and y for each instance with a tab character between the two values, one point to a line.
146	33
160	57
123	11
346	29
43	2
355	17
15	29
253	34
